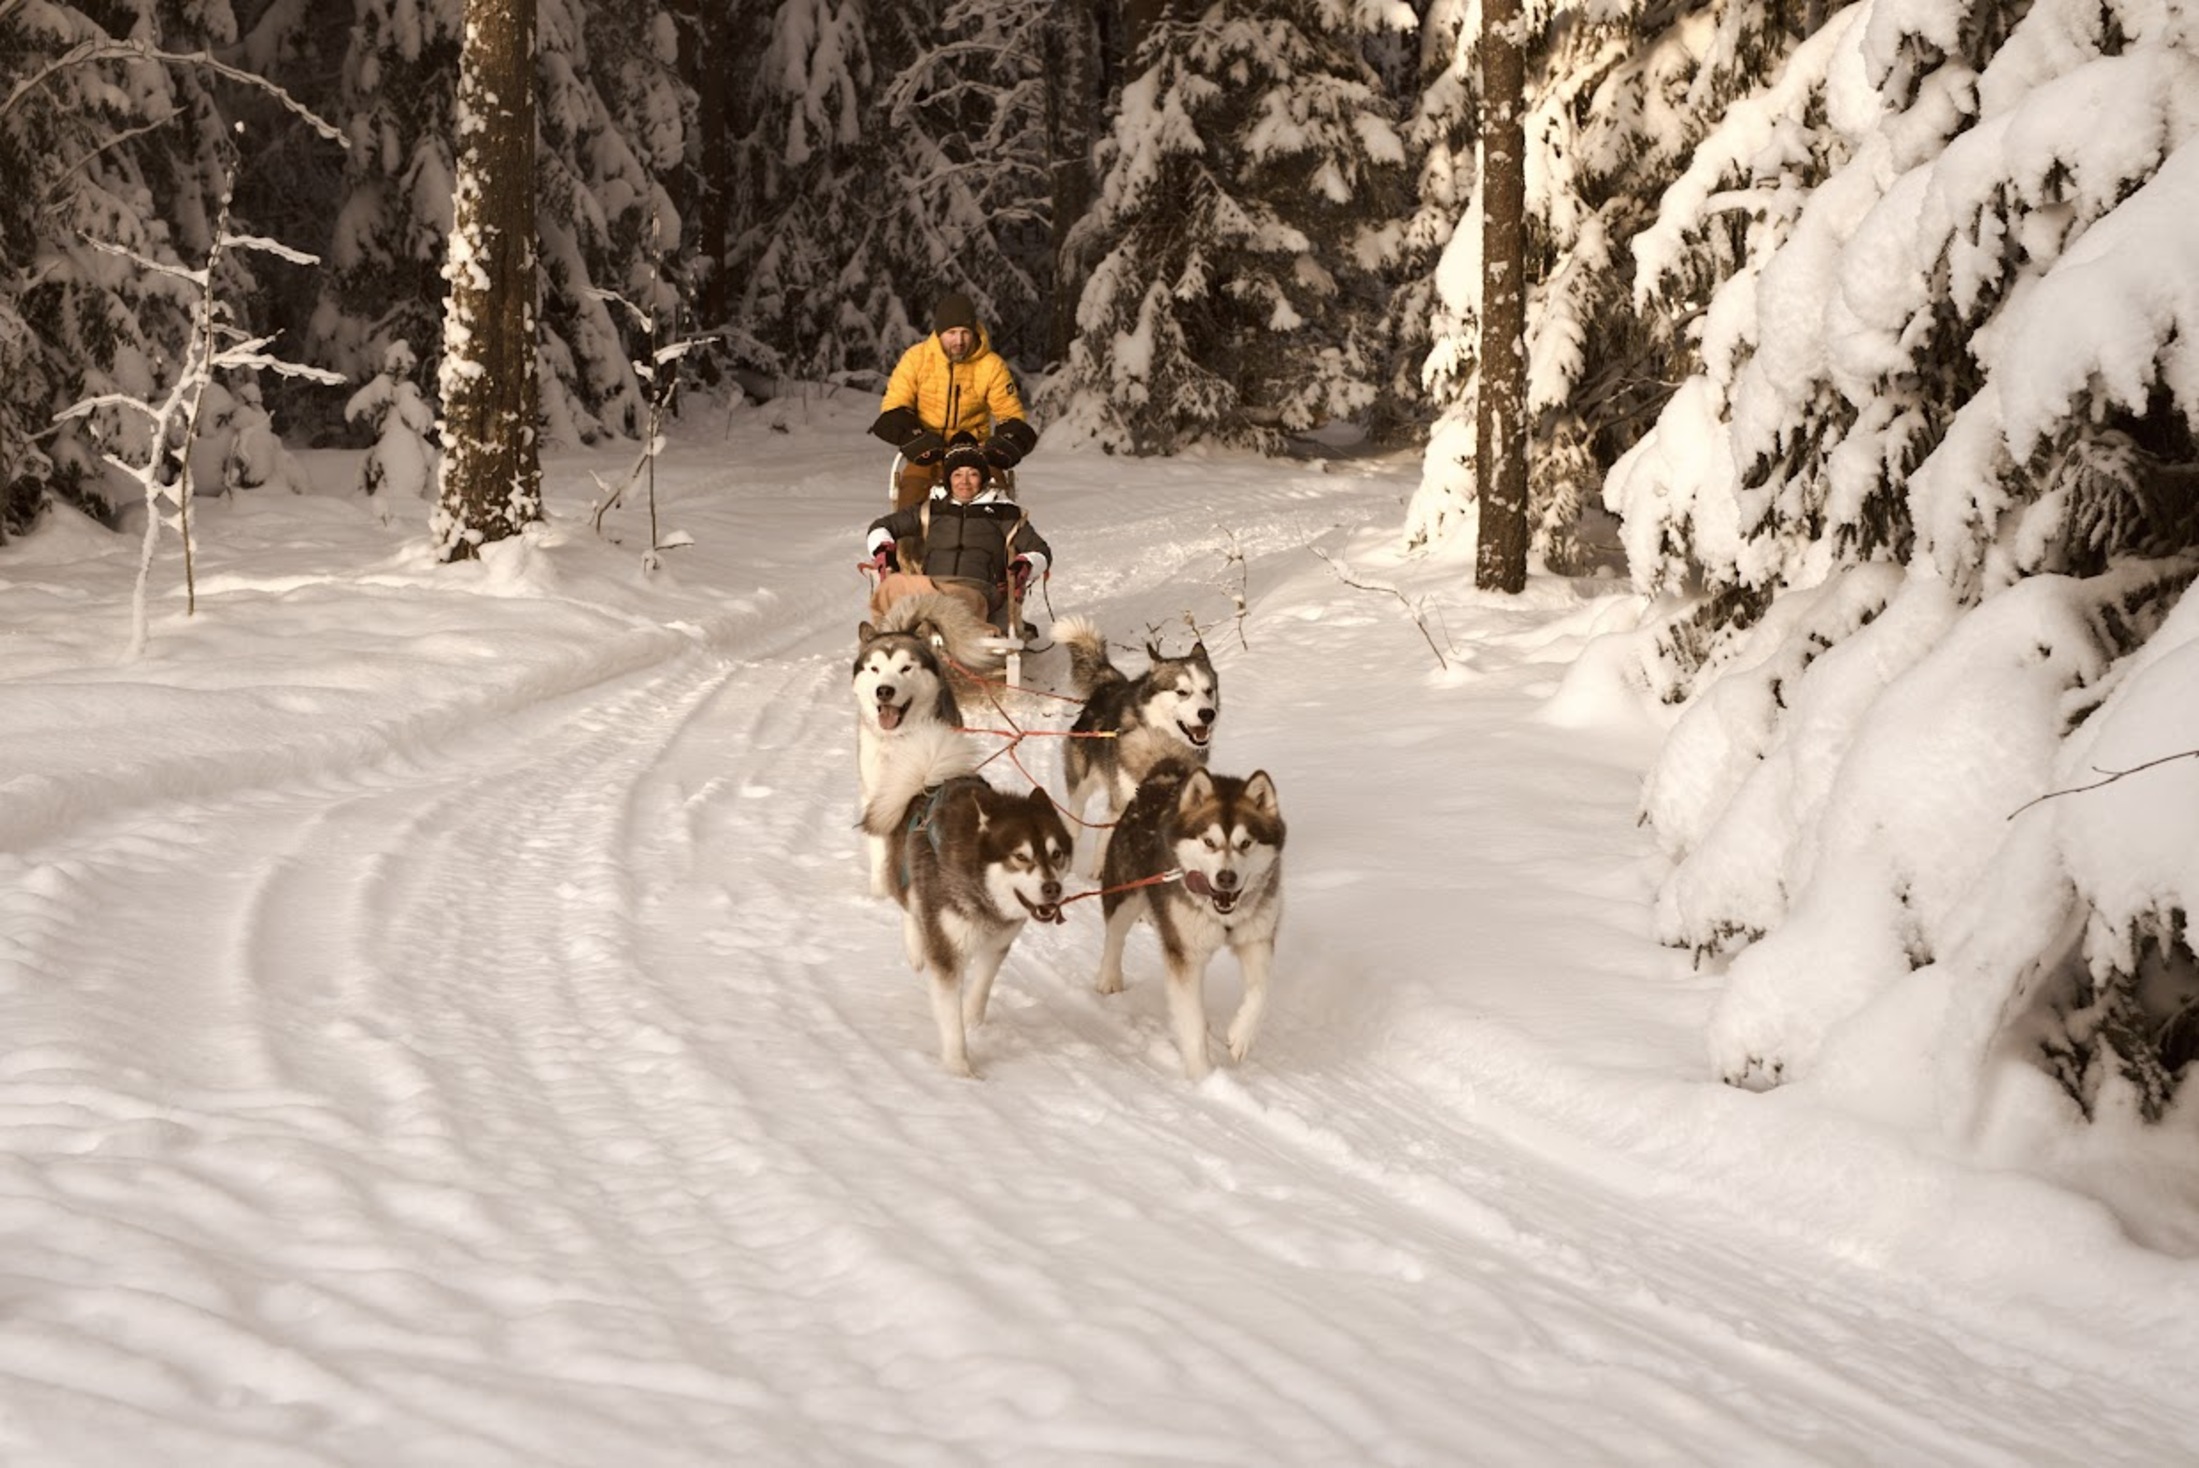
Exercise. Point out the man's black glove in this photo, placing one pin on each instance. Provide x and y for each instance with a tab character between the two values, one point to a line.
1012	439
895	427
925	448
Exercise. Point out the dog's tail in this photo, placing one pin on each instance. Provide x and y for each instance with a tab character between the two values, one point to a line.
967	638
1089	667
925	757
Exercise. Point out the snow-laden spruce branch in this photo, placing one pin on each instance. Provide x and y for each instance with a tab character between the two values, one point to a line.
84	53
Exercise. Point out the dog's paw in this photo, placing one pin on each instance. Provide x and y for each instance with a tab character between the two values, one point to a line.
1108	984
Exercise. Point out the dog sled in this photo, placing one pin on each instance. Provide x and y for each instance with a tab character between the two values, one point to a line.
985	649
949	615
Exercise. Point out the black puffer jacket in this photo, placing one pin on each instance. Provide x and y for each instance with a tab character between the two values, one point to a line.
969	541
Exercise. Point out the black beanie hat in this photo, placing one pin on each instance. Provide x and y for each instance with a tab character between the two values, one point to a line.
965	453
954	309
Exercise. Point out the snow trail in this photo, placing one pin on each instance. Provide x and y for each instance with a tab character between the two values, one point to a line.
464	1066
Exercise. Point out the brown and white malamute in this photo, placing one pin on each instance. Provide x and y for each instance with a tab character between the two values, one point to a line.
970	865
1219	841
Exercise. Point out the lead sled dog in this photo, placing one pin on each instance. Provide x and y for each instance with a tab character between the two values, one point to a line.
1130	724
904	680
1221	838
900	686
970	865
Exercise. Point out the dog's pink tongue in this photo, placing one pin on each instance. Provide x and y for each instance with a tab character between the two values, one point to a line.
889	717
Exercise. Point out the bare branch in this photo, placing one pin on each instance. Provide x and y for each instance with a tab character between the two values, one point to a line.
1419	620
1237	595
2112	777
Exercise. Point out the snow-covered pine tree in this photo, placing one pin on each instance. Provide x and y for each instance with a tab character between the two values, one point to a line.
810	188
966	125
1241	233
101	138
611	110
491	472
1075	78
612	135
402	464
1790	452
396	93
1617	99
1937	471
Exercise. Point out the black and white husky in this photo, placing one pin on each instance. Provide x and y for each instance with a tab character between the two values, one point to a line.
1219	842
970	865
1128	725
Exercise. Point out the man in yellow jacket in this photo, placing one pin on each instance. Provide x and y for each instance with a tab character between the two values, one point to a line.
950	382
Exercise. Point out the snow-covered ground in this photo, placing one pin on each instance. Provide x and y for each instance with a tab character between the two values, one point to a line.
444	1024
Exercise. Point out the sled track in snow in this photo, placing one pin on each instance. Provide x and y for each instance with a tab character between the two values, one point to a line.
572	1031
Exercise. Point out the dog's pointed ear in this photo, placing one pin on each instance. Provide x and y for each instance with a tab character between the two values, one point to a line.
864	634
1260	794
1152	651
1197	790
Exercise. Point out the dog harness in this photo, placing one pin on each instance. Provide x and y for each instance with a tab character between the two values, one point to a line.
920	821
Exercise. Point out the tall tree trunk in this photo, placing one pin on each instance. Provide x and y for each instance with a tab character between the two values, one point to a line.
492	472
1074	98
1500	464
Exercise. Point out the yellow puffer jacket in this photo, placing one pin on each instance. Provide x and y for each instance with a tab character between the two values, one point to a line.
969	396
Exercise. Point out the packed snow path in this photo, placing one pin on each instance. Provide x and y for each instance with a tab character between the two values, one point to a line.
493	1058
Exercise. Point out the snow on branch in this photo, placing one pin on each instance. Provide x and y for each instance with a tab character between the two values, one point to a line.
109	49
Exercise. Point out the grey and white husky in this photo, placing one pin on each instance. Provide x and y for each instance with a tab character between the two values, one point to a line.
970	865
900	687
1128	725
1222	838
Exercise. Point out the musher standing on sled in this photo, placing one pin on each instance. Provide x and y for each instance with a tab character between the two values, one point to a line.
977	543
951	382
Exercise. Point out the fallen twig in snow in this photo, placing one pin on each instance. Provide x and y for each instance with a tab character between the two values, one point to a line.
1419	618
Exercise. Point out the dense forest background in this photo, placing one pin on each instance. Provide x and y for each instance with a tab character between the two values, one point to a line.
1181	222
1864	324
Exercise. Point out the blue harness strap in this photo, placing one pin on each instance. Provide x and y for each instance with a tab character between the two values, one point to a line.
920	819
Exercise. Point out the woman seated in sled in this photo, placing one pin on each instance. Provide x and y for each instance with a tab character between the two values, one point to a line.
968	540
